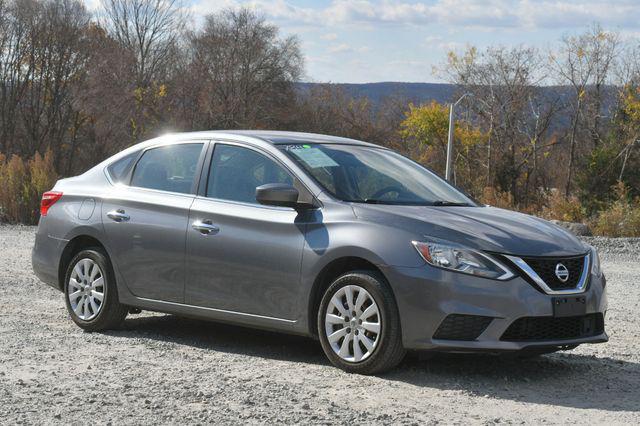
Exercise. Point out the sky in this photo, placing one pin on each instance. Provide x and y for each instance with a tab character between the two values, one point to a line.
358	41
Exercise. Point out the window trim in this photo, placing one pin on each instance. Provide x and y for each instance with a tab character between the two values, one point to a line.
204	179
196	177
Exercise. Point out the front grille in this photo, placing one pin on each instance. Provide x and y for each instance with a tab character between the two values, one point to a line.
529	329
462	327
546	269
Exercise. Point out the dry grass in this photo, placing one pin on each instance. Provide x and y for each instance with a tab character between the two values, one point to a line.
620	219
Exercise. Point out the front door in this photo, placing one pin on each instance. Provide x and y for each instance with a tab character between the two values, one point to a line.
146	221
242	256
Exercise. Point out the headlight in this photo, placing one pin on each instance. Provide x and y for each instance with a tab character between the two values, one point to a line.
463	260
595	262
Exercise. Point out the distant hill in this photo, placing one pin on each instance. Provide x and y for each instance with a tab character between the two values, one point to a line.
413	92
420	93
440	92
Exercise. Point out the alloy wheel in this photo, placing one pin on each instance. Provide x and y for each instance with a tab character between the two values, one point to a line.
86	289
353	323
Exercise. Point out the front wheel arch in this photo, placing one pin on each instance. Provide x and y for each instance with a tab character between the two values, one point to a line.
389	351
329	273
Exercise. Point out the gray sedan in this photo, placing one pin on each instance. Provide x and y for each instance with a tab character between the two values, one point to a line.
334	238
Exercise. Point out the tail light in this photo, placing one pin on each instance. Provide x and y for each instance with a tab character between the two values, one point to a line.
49	198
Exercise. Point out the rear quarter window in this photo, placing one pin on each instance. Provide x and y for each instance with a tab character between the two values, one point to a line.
118	170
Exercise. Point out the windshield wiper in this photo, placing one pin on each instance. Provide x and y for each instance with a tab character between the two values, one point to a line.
449	203
439	203
394	202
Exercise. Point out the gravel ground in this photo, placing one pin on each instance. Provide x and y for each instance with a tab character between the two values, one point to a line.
160	368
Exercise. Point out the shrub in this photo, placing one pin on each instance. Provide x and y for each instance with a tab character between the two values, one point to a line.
42	177
22	184
622	218
13	194
497	198
558	207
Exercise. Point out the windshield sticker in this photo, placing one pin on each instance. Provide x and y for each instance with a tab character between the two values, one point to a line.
313	157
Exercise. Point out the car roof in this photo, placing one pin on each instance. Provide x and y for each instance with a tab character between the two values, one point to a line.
276	137
264	137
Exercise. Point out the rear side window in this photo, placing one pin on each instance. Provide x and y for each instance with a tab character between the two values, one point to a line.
236	172
169	168
119	169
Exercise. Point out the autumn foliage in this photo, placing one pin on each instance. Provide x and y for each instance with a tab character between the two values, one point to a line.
23	182
543	132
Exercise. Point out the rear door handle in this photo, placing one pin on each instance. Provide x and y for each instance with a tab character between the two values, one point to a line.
118	215
205	227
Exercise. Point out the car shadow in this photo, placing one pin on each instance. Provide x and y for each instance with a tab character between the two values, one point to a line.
562	379
223	338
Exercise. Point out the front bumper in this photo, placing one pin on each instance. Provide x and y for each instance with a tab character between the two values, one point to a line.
426	296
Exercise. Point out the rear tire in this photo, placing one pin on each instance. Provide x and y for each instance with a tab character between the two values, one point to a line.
370	341
90	291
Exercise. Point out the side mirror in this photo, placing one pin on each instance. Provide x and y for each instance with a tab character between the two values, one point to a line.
278	194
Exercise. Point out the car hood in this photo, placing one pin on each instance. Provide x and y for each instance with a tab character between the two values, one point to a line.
483	228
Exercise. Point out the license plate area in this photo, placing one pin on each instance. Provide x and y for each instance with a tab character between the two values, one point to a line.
572	306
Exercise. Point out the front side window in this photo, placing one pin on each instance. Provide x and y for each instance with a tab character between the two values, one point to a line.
236	172
373	175
168	168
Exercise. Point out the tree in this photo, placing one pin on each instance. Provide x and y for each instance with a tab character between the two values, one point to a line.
425	129
42	59
328	109
242	71
617	158
150	30
15	70
57	57
510	107
584	62
104	104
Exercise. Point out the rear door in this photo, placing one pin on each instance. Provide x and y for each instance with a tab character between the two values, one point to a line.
146	221
243	256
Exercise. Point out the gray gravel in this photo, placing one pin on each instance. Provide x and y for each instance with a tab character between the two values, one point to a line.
161	368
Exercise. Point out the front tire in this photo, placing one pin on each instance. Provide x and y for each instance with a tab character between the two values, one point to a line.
90	291
359	324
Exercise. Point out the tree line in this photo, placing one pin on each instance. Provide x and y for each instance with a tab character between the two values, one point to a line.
86	86
548	132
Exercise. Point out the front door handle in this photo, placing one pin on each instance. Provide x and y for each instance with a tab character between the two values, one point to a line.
205	227
118	215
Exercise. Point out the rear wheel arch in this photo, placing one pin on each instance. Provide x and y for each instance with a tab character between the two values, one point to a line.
327	275
91	297
73	247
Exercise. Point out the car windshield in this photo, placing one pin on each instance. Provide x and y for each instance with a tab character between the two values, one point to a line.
364	174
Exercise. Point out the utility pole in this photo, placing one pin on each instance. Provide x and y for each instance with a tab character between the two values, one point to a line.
449	169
